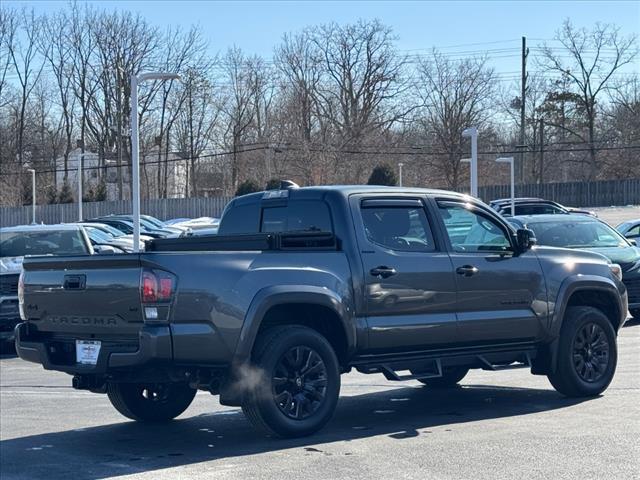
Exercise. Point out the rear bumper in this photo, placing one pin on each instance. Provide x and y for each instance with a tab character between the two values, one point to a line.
153	345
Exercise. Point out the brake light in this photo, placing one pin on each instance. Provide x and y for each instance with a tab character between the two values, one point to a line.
149	287
157	286
21	296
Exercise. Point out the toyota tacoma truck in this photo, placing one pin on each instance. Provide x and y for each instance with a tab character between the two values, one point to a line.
304	284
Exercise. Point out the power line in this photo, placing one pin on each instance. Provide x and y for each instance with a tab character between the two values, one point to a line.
302	148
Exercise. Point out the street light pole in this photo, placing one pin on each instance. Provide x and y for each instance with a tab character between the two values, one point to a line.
80	159
135	154
33	195
473	133
400	171
509	160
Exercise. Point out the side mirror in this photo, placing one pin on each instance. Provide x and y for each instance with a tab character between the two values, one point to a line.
102	249
525	238
633	241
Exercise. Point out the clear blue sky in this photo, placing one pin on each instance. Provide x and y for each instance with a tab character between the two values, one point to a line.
256	26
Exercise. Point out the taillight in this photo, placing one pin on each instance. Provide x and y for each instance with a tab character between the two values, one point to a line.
149	287
21	296
157	286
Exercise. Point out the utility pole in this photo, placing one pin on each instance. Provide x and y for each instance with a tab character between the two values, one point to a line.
541	176
523	95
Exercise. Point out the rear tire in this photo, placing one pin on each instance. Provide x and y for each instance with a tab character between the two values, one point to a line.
155	402
450	377
294	382
587	353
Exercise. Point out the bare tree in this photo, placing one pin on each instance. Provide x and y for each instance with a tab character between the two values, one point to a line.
9	20
594	58
58	53
363	75
455	95
28	67
181	49
239	106
196	122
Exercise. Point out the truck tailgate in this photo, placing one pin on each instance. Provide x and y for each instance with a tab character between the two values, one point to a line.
84	294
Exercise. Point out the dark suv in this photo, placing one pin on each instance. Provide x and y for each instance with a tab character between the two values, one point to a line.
534	206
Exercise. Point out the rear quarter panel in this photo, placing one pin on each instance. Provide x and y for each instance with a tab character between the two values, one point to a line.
216	289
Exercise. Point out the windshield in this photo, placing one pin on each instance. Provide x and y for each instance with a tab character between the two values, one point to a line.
147	224
108	228
98	235
154	221
577	234
64	242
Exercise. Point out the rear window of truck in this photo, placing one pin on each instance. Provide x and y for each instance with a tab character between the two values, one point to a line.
297	216
240	219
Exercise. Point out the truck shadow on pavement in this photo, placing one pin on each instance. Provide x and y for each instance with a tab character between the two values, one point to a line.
128	448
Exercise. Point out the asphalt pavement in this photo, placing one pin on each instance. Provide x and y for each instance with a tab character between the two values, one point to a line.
497	425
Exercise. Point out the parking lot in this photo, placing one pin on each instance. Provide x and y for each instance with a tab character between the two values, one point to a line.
497	425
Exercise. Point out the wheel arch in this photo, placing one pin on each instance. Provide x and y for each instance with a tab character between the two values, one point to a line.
588	291
270	303
271	306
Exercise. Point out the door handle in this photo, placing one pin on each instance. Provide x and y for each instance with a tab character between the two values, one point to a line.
467	270
382	271
74	282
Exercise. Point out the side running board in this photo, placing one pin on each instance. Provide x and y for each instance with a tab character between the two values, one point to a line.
432	368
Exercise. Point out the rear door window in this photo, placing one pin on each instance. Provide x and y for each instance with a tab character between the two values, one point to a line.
397	227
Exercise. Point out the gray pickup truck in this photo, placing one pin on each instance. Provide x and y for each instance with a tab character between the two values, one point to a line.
304	284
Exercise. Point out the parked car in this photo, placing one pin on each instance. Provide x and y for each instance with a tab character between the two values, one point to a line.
148	226
113	236
271	311
163	226
534	206
630	229
126	226
173	221
200	223
15	243
588	233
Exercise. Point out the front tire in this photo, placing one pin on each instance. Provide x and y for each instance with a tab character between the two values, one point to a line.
293	383
587	353
154	402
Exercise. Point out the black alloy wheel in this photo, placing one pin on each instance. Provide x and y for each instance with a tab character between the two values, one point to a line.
590	352
299	382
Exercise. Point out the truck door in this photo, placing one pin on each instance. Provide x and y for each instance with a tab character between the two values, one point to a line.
409	282
501	293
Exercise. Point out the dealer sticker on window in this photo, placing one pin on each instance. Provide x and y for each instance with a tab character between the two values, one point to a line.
87	351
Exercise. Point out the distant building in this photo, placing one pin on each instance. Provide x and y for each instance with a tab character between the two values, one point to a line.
176	175
91	173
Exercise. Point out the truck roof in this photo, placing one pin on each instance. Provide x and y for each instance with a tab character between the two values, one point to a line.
343	190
